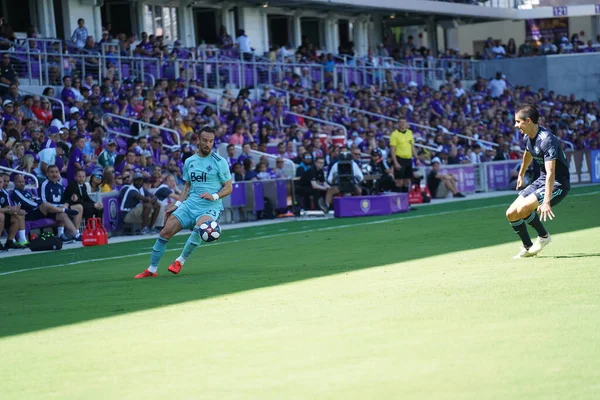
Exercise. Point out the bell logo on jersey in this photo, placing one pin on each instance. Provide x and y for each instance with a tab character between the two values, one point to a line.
194	177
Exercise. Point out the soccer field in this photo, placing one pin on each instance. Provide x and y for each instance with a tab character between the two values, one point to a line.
424	305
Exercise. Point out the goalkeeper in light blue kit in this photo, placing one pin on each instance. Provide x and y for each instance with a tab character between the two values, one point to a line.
207	181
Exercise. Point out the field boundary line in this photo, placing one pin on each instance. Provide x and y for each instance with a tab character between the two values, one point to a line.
282	234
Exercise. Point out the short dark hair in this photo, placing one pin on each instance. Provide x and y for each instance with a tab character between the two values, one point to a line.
206	129
528	111
49	167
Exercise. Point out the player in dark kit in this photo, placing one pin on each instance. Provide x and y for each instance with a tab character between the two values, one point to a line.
548	190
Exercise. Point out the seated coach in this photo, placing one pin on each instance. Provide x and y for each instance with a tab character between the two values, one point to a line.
52	191
76	195
37	209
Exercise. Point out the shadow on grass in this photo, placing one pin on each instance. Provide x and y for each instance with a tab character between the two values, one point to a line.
576	255
55	297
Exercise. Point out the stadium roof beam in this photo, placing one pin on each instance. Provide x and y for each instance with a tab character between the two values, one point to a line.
438	8
419	7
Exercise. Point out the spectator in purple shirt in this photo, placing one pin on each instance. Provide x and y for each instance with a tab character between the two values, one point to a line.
144	48
436	105
76	160
231	159
67	95
156	149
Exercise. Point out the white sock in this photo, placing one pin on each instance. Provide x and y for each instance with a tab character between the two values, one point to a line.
64	210
152	269
21	236
61	230
77	234
181	260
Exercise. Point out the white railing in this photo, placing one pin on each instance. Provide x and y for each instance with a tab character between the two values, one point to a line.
322	121
50	98
19	172
106	125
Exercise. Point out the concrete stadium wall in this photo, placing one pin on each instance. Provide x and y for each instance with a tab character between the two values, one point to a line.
579	75
75	10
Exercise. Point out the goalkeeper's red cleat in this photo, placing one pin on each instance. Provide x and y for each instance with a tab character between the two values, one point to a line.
175	267
145	274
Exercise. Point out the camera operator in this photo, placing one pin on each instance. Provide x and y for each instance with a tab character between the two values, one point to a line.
345	176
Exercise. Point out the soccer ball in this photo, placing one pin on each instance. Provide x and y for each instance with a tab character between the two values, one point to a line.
210	231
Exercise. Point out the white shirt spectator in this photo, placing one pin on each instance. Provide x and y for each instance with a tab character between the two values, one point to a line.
565	46
496	87
47	156
374	60
443	128
590	118
499	51
475	158
459	91
284	52
183	110
243	43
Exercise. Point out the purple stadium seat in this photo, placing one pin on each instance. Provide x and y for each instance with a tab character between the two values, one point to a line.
125	71
122	143
39	224
168	72
152	70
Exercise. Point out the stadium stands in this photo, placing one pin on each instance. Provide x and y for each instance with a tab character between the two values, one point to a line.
135	108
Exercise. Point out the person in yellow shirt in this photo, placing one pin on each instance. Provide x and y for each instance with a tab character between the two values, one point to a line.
186	126
402	146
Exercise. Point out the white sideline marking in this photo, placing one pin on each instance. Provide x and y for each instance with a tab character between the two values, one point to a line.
250	238
277	235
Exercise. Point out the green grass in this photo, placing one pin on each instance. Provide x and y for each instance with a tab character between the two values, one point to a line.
423	305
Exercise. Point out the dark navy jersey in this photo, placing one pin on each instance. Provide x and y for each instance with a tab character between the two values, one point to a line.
379	167
128	197
4	199
26	200
52	193
546	147
162	192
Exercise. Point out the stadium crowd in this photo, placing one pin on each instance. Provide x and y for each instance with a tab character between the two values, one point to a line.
79	159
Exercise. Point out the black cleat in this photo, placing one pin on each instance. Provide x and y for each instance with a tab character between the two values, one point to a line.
65	239
12	245
71	212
